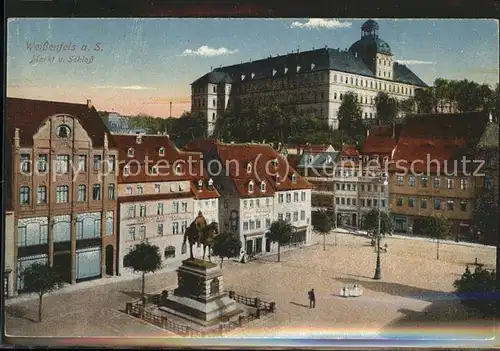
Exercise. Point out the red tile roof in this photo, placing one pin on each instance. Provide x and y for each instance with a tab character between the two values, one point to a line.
317	148
293	160
349	151
146	155
28	115
380	140
236	157
440	138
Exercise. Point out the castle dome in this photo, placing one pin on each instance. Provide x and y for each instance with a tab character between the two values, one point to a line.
370	43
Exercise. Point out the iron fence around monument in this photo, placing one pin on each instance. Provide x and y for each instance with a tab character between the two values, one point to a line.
136	308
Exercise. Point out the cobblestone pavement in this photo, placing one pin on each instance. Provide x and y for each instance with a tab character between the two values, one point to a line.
415	287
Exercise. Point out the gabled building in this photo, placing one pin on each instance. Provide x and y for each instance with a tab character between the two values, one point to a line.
160	192
318	168
62	182
257	187
428	175
312	81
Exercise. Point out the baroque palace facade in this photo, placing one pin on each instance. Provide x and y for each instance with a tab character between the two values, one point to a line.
313	81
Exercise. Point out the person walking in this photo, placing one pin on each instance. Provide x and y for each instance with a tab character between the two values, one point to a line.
312	299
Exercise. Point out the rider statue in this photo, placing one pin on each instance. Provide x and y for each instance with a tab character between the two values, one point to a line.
201	223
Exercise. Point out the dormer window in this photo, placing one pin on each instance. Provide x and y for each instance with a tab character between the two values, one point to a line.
243	77
210	184
253	75
130	152
200	184
274	72
329	160
161	151
154	170
298	68
309	159
286	70
312	66
138	139
263	186
249	167
126	170
294	178
275	162
250	186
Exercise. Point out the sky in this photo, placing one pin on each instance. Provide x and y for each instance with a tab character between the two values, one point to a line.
139	65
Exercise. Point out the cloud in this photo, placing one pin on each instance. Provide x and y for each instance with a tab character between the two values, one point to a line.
126	87
208	51
415	62
321	23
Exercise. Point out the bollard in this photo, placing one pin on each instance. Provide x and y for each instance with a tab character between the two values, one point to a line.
257	313
257	302
231	294
128	307
272	306
240	320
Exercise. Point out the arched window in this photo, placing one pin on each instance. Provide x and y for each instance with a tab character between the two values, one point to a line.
63	131
24	195
111	191
170	252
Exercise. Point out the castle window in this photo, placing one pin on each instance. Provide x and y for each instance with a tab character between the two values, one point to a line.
335	78
352	81
341	96
161	152
346	80
335	96
356	81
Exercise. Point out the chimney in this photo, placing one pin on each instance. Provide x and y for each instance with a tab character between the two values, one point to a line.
89	103
17	140
170	109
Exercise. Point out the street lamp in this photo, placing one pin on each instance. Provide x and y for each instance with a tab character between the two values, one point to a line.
382	181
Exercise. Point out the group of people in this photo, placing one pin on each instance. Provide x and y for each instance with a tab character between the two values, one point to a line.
355	291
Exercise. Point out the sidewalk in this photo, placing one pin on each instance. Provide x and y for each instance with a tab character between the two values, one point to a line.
399	236
172	266
129	276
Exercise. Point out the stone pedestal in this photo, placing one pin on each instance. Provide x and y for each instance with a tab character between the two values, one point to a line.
200	295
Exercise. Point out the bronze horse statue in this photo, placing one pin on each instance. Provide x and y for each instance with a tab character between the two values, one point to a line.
201	234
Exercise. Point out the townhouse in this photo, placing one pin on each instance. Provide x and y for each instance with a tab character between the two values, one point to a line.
160	192
257	186
428	174
62	178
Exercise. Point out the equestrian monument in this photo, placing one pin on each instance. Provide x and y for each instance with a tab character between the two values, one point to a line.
200	296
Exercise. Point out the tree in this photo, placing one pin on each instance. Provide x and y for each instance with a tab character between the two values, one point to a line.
408	106
484	222
41	279
477	290
349	111
370	222
437	227
387	108
323	224
144	258
280	232
425	100
226	245
188	127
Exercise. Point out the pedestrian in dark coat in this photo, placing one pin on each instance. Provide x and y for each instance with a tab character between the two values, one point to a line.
312	299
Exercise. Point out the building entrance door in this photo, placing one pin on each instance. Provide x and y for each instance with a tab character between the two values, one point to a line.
249	247
63	265
268	245
109	260
258	245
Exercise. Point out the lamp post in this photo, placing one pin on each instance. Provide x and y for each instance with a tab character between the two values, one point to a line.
382	181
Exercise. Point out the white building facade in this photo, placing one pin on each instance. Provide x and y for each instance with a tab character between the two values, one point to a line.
313	82
251	198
